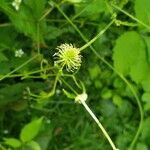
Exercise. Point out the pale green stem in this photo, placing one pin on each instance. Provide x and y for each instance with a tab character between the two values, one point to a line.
77	15
46	14
99	124
5	24
74	79
75	27
125	23
68	85
55	83
76	82
2	148
37	77
38	37
26	74
16	69
52	92
97	36
132	17
75	21
93	116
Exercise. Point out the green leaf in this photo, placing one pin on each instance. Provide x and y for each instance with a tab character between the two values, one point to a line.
98	84
138	71
4	67
3	57
94	71
145	136
90	7
53	32
125	110
15	143
118	83
74	1
45	136
24	20
146	82
11	93
146	96
146	99
16	62
37	7
68	94
130	56
34	145
142	10
141	146
7	37
31	130
117	100
106	93
147	41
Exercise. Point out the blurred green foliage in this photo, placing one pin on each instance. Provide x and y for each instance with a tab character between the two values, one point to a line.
34	114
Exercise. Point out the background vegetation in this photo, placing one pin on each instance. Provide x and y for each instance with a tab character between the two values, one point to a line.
35	113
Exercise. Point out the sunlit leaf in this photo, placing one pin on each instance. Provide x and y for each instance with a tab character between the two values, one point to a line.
130	56
143	11
30	130
34	145
15	143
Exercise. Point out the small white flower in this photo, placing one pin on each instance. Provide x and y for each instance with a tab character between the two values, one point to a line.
19	53
16	4
68	56
81	97
5	131
48	121
58	91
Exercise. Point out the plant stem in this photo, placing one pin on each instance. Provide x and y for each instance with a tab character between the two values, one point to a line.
22	65
5	24
97	36
132	17
38	38
94	117
99	124
52	92
46	13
